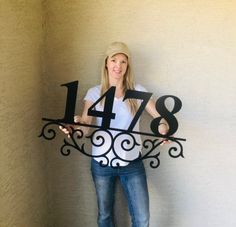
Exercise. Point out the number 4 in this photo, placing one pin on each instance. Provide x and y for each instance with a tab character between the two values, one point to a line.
107	114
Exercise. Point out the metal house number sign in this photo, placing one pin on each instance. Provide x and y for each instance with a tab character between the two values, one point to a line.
78	140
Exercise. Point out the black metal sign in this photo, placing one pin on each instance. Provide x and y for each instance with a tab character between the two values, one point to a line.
97	137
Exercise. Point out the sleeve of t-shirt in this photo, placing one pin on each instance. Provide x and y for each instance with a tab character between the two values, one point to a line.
139	87
92	94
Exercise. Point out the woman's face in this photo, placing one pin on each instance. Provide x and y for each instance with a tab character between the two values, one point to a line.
117	66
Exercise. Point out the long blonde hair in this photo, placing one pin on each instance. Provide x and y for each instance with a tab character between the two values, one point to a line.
128	81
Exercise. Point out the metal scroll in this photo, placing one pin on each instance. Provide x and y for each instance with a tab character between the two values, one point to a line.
109	139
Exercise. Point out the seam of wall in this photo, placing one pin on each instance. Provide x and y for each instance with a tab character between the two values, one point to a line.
43	67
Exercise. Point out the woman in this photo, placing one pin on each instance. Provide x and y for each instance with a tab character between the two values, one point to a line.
117	72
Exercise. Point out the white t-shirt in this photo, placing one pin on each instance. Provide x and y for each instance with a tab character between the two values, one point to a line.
123	118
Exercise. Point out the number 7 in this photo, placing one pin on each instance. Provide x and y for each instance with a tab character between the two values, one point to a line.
133	94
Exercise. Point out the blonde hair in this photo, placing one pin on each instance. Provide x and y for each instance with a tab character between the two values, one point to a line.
128	81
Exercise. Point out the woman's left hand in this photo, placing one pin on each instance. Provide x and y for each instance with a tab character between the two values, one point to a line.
163	130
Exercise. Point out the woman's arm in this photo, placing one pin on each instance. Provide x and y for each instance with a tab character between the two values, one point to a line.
151	109
84	119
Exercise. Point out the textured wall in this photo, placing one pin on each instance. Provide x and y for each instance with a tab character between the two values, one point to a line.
23	197
181	47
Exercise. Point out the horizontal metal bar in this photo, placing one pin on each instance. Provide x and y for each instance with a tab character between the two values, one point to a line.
115	129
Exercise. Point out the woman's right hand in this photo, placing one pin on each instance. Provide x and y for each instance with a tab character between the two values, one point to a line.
67	128
78	119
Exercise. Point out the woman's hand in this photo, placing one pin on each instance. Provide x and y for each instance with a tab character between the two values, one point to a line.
163	130
78	119
67	128
163	126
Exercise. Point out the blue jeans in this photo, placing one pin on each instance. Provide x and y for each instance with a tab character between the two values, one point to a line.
134	182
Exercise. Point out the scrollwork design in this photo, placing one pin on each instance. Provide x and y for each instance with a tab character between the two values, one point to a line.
123	144
125	148
129	141
49	133
150	145
102	138
66	148
177	150
96	140
71	142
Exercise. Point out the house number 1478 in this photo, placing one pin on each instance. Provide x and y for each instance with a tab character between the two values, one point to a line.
107	115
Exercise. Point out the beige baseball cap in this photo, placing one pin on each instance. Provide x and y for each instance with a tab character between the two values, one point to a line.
118	48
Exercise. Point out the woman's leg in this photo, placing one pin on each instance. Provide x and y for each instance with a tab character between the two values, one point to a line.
105	186
134	182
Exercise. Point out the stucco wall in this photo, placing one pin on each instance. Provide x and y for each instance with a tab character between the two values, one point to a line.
185	48
23	197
